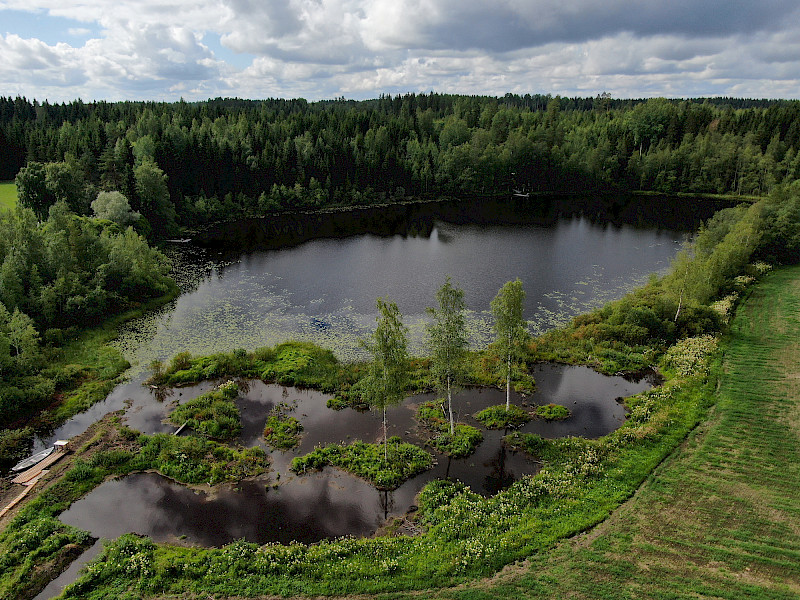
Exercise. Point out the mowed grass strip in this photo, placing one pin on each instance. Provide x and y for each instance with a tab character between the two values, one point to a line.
8	195
721	517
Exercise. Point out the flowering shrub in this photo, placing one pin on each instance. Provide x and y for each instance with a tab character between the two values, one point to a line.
761	268
688	356
725	306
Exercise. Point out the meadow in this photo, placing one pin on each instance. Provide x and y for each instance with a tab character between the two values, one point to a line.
8	195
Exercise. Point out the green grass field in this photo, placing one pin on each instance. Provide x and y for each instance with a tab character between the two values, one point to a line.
720	518
8	195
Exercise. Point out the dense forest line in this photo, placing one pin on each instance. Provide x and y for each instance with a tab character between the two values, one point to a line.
59	277
184	164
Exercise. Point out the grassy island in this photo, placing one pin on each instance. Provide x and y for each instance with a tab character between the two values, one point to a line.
384	467
213	414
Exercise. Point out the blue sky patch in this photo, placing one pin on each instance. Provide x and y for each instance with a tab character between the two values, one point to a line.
49	29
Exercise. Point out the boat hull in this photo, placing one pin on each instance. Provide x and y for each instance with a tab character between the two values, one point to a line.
32	460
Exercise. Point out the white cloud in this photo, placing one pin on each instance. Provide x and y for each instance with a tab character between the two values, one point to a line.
326	48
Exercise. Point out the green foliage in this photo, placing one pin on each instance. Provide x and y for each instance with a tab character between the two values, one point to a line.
552	412
15	444
511	331
214	413
301	364
191	459
386	466
463	440
502	417
448	343
281	431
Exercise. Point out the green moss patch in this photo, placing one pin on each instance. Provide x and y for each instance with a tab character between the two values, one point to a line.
497	417
552	412
403	461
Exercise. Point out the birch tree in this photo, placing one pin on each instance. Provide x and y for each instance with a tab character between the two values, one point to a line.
447	341
386	383
510	330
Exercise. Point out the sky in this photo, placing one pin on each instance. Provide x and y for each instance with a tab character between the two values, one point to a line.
61	50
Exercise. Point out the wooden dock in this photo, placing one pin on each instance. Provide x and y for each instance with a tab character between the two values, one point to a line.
36	469
28	487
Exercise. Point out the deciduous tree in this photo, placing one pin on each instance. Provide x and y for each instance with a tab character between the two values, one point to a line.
510	330
448	343
386	383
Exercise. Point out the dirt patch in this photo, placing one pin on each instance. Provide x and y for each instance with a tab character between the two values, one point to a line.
102	435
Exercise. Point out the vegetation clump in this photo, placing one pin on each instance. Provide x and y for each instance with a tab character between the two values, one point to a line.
194	460
502	417
282	431
301	364
213	414
386	466
459	444
552	412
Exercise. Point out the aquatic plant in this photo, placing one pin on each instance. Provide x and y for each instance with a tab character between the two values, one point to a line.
282	431
552	412
502	417
386	467
213	413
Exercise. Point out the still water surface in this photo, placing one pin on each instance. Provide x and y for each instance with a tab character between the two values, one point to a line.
332	503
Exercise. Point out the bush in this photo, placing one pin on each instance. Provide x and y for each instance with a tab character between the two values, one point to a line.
367	461
552	412
497	417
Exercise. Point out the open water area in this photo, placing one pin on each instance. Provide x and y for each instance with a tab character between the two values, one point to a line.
263	288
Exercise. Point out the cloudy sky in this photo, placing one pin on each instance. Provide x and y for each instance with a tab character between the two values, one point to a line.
196	49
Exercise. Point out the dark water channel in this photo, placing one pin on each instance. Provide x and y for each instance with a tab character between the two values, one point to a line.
284	507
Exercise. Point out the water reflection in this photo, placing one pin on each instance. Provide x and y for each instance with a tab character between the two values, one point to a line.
282	506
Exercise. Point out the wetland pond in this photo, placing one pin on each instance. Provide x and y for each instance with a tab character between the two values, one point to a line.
282	506
320	285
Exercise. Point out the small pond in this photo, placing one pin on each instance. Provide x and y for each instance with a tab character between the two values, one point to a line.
282	507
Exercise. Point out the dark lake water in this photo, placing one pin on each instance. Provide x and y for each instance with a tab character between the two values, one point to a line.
324	289
317	279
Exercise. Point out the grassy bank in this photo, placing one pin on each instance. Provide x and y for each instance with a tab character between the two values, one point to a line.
35	546
8	195
93	366
720	518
